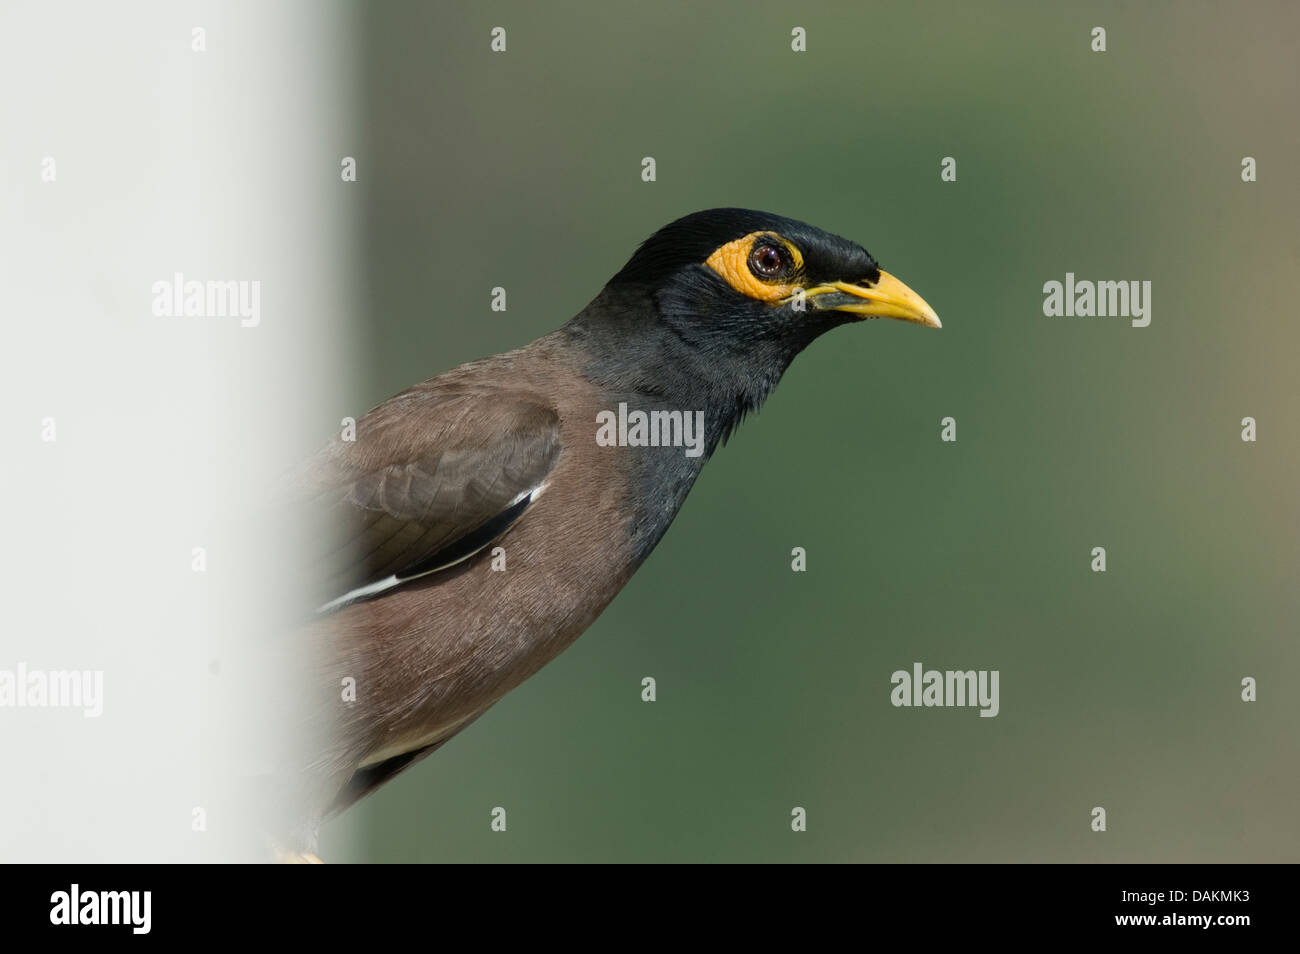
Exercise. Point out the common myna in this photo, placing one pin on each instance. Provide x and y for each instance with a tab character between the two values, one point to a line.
490	514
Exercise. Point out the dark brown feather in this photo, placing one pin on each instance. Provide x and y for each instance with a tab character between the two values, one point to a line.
399	499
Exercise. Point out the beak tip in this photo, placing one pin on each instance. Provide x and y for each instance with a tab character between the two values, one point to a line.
887	297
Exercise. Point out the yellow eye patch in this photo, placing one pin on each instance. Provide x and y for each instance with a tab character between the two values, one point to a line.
731	261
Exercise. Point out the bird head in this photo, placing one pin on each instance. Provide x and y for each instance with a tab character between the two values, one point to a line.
731	280
711	309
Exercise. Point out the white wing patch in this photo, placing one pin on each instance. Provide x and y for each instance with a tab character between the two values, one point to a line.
379	586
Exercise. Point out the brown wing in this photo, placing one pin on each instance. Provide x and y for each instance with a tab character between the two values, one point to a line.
434	475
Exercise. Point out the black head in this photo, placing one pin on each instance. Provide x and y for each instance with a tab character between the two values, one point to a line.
713	308
731	279
692	239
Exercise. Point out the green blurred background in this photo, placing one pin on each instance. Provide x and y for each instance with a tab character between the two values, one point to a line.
1122	689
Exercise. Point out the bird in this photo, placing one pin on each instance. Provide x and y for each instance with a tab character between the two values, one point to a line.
480	521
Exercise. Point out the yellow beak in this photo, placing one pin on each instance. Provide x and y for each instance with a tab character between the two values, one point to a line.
887	298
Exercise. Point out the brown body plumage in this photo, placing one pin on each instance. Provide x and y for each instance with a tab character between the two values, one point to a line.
434	653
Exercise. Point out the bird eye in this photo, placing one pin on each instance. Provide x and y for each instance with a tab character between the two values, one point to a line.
768	261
